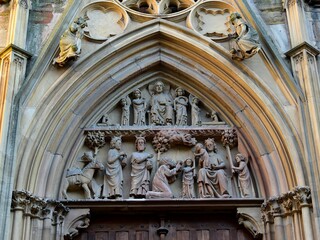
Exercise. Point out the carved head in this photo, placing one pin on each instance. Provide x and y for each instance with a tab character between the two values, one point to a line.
239	157
195	100
234	16
140	144
198	147
87	157
210	145
179	91
167	161
73	28
115	142
158	87
137	93
188	162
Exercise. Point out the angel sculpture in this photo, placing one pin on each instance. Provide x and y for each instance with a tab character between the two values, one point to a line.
70	42
245	39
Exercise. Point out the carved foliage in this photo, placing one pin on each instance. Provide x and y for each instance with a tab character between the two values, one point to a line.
229	137
286	204
164	139
95	139
37	207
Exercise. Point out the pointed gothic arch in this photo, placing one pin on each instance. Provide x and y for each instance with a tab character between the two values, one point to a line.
77	97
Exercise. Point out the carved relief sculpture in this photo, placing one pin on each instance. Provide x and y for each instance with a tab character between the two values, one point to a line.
161	106
245	41
244	177
70	42
188	179
83	178
141	167
180	106
139	108
165	174
125	114
113	179
212	179
78	225
195	110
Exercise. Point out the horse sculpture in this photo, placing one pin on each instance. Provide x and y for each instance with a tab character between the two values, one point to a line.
77	177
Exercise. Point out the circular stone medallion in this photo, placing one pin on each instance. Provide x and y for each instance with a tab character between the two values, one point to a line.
104	19
211	19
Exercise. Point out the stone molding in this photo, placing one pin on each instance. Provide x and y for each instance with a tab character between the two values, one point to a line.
286	204
39	208
303	46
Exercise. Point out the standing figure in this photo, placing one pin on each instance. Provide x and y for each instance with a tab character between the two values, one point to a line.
125	114
113	179
188	179
141	167
246	39
195	110
161	106
70	42
165	174
244	177
180	106
212	179
139	109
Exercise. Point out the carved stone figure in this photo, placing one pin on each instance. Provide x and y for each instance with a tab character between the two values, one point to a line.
78	178
165	174
212	179
180	106
188	179
195	110
113	179
141	167
244	176
246	38
70	42
139	108
161	106
78	225
125	114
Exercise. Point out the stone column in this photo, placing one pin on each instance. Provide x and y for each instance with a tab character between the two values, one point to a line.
13	61
289	215
29	210
305	70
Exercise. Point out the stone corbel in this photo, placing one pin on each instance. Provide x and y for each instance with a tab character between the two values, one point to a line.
250	218
76	220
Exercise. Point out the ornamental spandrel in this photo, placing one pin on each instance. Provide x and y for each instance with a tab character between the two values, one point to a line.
151	147
103	20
